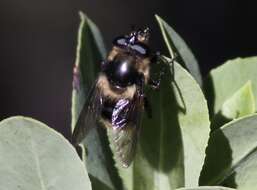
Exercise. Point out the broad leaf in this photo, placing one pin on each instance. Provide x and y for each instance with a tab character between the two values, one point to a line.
207	188
90	53
232	155
240	104
225	80
172	144
185	56
34	156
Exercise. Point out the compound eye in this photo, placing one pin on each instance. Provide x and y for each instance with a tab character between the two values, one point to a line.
120	41
140	49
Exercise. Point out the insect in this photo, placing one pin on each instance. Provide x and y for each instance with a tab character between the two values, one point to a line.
117	100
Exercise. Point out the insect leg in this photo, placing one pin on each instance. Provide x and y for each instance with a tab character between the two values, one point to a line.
155	58
154	84
140	84
148	107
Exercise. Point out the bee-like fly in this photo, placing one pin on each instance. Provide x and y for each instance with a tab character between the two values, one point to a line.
117	99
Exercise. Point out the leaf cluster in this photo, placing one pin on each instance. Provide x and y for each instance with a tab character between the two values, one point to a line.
202	135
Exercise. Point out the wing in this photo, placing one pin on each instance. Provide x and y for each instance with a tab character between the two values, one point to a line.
124	133
88	116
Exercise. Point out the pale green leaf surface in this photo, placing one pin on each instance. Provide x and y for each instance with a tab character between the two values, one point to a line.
174	41
207	188
34	156
225	80
232	155
90	53
240	104
172	144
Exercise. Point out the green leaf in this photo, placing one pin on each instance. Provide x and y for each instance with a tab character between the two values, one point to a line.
34	156
90	52
206	188
240	104
225	80
174	41
231	155
172	144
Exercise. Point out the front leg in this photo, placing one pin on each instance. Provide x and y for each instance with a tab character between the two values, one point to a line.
140	89
156	58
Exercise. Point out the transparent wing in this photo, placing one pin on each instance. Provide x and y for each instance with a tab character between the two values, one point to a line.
88	116
125	129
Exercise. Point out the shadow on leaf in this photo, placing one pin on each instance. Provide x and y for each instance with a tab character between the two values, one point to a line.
161	141
219	120
218	162
218	153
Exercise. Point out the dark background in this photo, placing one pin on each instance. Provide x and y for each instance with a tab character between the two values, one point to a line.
38	44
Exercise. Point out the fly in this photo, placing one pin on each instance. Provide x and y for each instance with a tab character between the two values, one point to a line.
117	99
